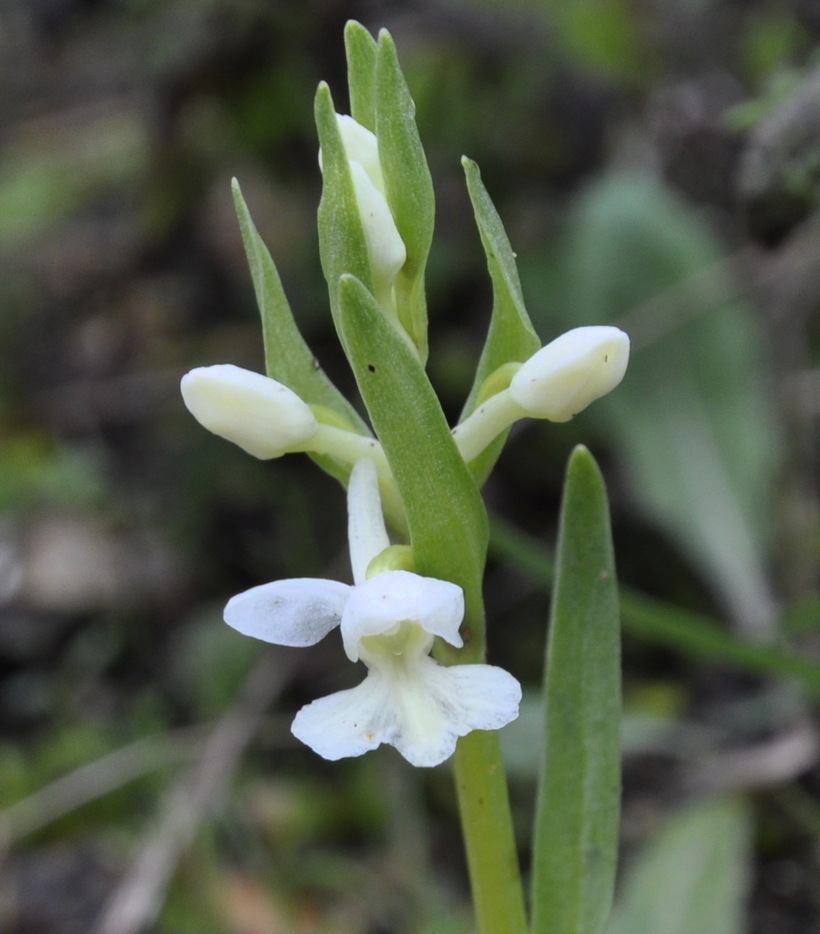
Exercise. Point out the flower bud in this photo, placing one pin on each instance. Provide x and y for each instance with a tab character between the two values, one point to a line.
262	416
385	248
575	369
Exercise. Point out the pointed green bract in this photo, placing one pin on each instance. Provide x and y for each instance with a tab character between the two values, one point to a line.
445	513
360	47
288	358
576	825
693	876
342	246
408	185
511	336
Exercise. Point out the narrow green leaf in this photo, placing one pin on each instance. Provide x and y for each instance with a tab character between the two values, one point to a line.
342	246
693	876
409	187
360	47
445	513
511	336
576	825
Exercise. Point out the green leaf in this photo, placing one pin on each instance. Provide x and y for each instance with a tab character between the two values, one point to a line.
360	47
445	513
409	188
288	358
693	876
691	419
342	246
576	825
511	336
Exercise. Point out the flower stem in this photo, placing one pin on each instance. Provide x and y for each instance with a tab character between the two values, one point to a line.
495	880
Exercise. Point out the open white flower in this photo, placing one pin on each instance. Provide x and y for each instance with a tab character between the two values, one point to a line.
389	622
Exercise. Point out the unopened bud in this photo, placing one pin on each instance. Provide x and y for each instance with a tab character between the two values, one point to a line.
263	417
575	369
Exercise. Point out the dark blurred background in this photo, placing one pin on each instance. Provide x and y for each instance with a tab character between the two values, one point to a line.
657	165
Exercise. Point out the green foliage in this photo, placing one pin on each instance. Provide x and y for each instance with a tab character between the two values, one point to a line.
576	827
691	419
693	876
408	185
288	358
445	513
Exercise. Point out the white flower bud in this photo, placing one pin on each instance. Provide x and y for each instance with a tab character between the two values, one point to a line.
385	247
361	146
575	369
262	416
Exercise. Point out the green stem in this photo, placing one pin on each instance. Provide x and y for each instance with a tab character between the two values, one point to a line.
495	880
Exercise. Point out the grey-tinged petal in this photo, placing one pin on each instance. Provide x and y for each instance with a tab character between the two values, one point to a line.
295	612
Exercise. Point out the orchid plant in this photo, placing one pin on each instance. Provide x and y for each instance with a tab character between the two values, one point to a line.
417	525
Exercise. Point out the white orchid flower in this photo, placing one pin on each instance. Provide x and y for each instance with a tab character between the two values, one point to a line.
557	382
389	622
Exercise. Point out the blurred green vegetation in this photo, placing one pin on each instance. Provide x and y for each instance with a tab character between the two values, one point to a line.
655	167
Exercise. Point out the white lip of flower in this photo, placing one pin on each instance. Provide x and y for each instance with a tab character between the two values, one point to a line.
262	416
385	247
557	382
388	622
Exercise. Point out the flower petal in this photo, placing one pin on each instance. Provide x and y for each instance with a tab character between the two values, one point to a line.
294	612
381	603
446	703
365	525
348	723
422	716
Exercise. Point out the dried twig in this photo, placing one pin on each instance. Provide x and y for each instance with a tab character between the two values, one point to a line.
137	901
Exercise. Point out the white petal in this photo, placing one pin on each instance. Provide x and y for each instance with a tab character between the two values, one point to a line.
366	533
348	723
575	369
262	416
385	247
422	716
294	612
379	604
361	146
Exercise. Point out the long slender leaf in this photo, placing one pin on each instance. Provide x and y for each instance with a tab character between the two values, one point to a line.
445	512
576	828
692	877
